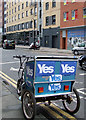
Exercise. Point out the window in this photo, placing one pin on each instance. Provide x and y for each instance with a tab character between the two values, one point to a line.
7	13
35	11
12	11
7	6
73	1
27	25
31	24
40	15
18	0
7	20
84	13
12	19
31	11
18	7
47	20
35	23
74	14
65	16
53	3
40	28
26	13
15	17
12	3
65	2
23	15
47	5
19	26
26	3
18	16
15	9
54	19
15	1
22	5
22	25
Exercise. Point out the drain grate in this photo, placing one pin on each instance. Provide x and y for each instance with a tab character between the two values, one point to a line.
5	82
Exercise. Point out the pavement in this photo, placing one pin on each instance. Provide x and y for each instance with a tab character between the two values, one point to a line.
47	49
11	106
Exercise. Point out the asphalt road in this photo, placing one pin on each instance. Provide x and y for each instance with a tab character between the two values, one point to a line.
9	66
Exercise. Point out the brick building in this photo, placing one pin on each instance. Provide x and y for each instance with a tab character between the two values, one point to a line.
72	23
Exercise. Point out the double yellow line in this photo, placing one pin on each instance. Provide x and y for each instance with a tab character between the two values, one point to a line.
8	79
49	110
56	114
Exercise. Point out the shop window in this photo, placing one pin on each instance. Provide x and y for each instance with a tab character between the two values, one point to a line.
65	2
74	14
53	3
47	20
84	13
19	26
54	19
66	16
47	5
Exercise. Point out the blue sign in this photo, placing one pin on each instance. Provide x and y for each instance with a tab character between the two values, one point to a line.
45	68
55	78
30	69
68	67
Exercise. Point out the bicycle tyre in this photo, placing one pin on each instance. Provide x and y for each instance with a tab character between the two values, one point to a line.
77	104
28	104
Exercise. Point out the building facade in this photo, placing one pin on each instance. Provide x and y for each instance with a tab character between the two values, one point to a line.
51	23
73	25
0	20
21	21
41	16
4	19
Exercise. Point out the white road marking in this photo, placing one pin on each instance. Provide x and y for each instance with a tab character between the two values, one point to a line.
82	74
8	62
80	91
14	69
79	82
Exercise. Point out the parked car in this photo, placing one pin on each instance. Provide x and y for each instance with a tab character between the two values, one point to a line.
9	44
79	50
82	61
37	46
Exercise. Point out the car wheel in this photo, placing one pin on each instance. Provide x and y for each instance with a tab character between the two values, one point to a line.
76	52
84	65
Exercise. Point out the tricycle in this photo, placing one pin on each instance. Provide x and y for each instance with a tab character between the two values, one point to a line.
47	78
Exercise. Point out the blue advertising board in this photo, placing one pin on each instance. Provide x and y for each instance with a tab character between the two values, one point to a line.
68	68
45	68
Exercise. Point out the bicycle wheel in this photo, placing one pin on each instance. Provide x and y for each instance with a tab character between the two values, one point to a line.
72	104
28	105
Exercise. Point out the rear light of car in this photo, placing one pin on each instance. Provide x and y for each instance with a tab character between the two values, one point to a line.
66	87
40	89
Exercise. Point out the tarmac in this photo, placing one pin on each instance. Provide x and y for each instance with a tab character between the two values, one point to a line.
47	49
11	106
